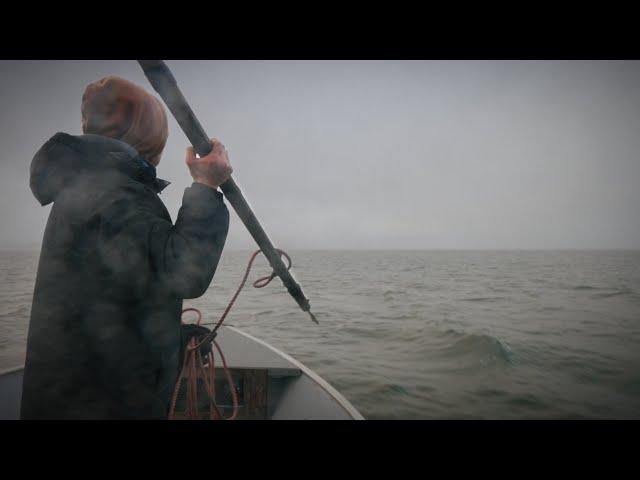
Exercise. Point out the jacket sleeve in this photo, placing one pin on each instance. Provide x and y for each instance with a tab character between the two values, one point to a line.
138	246
185	256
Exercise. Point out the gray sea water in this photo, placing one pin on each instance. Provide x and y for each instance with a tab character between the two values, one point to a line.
432	334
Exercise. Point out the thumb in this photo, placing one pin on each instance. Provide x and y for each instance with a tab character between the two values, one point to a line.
190	156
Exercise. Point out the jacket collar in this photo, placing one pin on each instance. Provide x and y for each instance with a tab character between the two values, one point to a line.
144	172
128	160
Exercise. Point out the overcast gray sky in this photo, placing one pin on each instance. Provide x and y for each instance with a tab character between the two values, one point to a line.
376	154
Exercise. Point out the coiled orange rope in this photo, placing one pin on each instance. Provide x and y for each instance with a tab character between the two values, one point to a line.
193	366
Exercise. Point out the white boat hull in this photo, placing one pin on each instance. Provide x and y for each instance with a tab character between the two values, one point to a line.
273	385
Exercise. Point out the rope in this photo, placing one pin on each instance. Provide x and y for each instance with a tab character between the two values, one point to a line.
194	367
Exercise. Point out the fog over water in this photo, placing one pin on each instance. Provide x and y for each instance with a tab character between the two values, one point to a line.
376	154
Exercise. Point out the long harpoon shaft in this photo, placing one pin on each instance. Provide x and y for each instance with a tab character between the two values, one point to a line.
164	83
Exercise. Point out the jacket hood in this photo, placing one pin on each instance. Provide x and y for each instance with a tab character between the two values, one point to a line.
120	109
65	158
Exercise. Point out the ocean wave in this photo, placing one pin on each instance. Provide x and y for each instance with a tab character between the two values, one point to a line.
14	311
616	293
527	401
473	349
605	292
483	299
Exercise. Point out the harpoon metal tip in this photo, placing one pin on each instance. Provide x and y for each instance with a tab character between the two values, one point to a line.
313	317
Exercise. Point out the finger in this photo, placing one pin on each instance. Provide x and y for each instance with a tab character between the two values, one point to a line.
217	144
